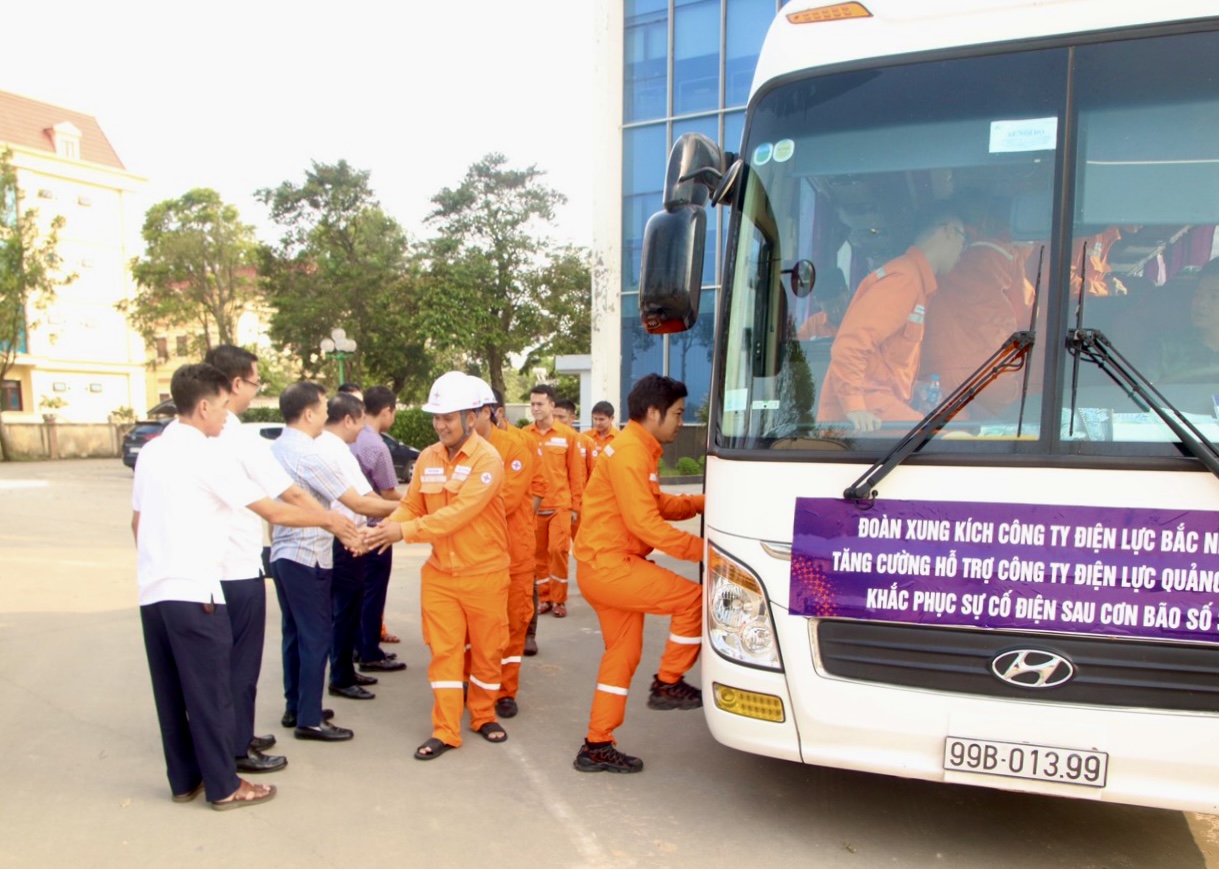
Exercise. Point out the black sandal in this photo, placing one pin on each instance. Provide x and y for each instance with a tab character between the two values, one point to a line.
490	729
432	749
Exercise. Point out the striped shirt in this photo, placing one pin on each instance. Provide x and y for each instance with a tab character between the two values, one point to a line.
375	461
322	478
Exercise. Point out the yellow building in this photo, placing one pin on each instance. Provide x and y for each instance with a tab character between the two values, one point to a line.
80	350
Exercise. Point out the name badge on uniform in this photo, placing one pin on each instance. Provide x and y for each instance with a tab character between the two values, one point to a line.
461	472
916	316
557	441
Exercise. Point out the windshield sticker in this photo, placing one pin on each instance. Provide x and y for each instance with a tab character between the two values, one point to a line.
1031	134
1068	569
765	404
762	154
734	401
784	148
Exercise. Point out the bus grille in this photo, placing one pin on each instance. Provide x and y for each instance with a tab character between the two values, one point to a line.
1125	673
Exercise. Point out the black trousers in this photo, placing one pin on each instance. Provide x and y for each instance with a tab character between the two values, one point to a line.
189	652
246	601
346	598
377	568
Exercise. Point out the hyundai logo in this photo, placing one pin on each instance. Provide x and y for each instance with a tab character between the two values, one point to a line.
1032	668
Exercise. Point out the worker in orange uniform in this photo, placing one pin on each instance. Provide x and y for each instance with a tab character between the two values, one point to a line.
625	514
564	472
875	356
1098	274
455	501
979	304
603	432
520	470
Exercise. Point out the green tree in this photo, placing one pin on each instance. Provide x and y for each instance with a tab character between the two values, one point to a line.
562	288
198	269
490	272
342	262
30	270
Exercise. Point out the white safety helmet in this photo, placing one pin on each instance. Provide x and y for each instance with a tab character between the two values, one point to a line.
483	390
452	392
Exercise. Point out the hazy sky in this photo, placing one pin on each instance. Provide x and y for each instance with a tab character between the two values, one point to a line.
242	95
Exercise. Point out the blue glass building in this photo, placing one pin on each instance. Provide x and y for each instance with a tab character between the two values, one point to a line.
685	66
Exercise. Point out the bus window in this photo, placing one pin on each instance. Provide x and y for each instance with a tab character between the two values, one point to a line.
1144	241
924	219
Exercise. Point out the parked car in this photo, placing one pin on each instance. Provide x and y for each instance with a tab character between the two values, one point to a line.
268	430
139	435
404	457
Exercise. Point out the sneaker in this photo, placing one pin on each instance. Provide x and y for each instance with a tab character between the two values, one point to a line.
674	695
605	758
531	645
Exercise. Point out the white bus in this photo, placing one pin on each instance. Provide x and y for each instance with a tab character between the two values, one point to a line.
962	507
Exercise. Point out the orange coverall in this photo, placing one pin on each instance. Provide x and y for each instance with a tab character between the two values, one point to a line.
564	471
522	480
598	445
457	505
1097	266
875	356
624	520
979	304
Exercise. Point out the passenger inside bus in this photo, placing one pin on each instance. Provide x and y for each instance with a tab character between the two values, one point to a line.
979	304
1193	356
876	353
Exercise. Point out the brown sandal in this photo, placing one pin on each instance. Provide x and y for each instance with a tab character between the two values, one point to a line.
246	795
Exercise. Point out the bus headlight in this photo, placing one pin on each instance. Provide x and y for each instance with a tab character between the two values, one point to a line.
739	625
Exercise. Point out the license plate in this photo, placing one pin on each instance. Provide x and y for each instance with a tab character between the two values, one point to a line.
1071	766
133	450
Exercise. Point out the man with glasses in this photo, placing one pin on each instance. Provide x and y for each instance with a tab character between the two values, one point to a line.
875	357
243	581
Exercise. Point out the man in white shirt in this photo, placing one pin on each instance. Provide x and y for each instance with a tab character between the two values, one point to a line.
185	495
344	421
245	592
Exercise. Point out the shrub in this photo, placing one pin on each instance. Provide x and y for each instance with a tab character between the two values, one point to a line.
688	467
262	414
414	427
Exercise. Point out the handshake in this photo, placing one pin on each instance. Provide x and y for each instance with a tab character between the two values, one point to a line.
360	539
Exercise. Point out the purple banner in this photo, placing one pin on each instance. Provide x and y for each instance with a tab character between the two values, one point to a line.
1079	570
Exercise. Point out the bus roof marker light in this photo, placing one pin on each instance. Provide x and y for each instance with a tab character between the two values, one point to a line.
836	12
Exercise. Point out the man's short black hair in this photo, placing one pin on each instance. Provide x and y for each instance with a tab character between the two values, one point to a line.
232	361
299	397
349	388
377	398
1210	270
603	408
654	390
342	406
931	218
566	404
193	383
544	389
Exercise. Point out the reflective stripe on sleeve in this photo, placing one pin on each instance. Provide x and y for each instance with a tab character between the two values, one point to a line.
610	689
485	685
458	685
685	641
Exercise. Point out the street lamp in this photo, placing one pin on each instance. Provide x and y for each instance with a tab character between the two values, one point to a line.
338	347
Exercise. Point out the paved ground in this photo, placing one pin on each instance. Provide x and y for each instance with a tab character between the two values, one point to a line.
84	778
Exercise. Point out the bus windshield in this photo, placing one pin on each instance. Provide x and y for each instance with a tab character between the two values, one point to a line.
890	238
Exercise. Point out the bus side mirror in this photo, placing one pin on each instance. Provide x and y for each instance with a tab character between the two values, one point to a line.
671	278
671	272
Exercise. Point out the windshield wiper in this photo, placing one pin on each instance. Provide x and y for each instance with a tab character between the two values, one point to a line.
1011	356
1092	345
